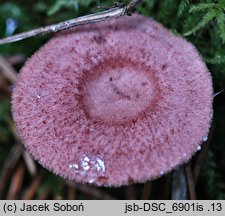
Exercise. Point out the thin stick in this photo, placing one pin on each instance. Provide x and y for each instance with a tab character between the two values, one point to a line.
130	192
16	59
190	182
57	197
167	188
96	193
179	185
131	6
33	188
146	191
202	155
16	183
92	18
8	167
44	194
71	193
8	71
30	164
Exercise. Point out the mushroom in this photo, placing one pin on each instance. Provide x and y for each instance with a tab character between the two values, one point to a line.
113	103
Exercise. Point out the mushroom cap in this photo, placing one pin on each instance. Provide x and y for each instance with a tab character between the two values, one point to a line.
113	103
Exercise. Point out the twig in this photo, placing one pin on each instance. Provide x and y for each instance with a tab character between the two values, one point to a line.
71	194
30	164
33	188
16	183
8	167
202	155
16	59
111	13
57	197
146	191
12	128
5	90
44	194
179	185
167	188
190	182
130	192
129	8
8	71
96	193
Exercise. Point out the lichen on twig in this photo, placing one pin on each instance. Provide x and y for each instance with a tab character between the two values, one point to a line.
111	13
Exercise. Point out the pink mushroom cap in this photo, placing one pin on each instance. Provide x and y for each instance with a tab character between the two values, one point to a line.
113	103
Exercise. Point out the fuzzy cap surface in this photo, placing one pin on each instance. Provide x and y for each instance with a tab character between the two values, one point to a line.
113	103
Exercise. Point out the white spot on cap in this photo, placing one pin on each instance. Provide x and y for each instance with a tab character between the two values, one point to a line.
100	165
91	166
85	163
86	158
199	148
91	129
91	181
161	172
73	166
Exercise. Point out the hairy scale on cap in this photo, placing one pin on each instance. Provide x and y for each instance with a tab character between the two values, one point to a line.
113	103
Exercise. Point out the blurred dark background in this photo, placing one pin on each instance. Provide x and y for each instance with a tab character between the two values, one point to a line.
201	22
